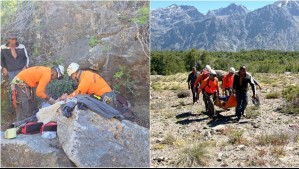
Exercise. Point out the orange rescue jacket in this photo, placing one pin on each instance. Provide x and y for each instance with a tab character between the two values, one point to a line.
37	76
91	83
227	81
210	86
201	77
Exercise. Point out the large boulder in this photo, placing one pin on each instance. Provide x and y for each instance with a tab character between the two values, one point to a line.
32	151
90	140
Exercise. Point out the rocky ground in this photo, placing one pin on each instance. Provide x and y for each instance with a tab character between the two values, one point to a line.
183	135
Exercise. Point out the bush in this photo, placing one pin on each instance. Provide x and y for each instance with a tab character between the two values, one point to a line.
183	94
291	94
56	88
193	156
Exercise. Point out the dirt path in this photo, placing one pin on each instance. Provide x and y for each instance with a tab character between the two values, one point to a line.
265	137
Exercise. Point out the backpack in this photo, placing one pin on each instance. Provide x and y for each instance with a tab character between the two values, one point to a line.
31	128
51	126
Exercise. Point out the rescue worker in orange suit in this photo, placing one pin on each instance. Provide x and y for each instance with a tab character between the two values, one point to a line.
210	89
34	77
203	75
227	82
90	83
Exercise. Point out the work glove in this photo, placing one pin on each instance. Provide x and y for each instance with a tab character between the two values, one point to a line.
67	111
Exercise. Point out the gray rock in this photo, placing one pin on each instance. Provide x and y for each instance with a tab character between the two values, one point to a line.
240	147
92	141
32	151
219	128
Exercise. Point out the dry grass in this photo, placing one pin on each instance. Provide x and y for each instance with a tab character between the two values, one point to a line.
278	152
169	139
273	95
252	112
273	139
193	156
235	135
262	153
157	147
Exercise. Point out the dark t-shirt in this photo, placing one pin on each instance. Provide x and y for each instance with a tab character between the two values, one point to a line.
192	78
11	63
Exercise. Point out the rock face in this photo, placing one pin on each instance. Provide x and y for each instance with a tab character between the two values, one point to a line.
101	35
92	141
32	151
232	28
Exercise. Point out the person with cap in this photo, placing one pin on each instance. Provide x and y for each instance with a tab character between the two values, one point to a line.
240	87
90	83
210	89
227	82
34	77
14	57
191	80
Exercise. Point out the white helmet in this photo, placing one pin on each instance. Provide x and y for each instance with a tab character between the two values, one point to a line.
213	72
73	67
60	71
208	67
232	70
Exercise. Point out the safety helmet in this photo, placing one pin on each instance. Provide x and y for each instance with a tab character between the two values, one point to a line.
232	70
213	72
60	71
73	67
208	67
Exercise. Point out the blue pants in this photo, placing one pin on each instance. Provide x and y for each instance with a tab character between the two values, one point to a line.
12	74
242	101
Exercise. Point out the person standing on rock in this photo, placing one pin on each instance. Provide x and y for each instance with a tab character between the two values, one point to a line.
210	88
240	86
227	82
191	80
22	84
14	57
203	75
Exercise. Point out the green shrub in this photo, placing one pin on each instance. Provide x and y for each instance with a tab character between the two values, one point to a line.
93	41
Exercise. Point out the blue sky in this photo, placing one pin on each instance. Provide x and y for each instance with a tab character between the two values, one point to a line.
205	6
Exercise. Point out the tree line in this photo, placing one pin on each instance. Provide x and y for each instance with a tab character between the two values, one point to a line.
257	61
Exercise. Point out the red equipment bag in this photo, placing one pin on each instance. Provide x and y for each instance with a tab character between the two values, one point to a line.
31	128
51	126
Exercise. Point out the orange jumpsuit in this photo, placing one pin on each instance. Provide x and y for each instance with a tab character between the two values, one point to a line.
91	83
210	86
37	76
201	77
227	81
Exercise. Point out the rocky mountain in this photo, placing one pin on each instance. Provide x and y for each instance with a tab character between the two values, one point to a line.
233	28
